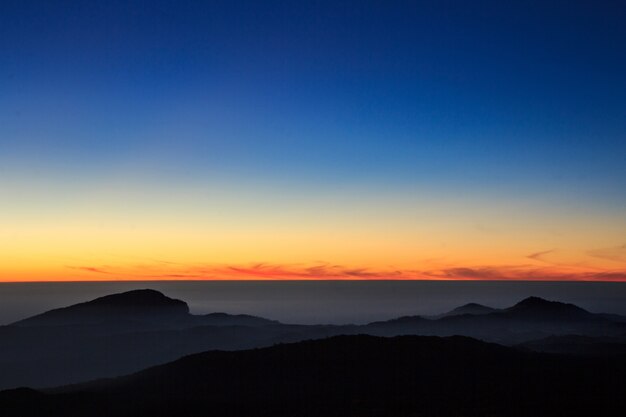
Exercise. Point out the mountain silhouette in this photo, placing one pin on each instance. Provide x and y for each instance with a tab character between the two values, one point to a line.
117	334
142	305
124	333
470	308
403	321
136	307
601	346
535	307
531	319
347	376
224	319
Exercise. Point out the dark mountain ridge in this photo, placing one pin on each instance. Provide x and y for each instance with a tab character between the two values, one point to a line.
124	333
136	306
531	318
600	346
347	376
472	308
144	305
469	308
535	307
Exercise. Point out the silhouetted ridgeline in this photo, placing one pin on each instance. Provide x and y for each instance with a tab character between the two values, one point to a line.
123	333
141	308
349	376
140	305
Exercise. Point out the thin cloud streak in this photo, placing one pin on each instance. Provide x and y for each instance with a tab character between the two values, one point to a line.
91	269
269	271
615	254
538	256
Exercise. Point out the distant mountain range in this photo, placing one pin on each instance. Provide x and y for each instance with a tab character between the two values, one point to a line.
137	308
348	376
531	306
123	333
470	308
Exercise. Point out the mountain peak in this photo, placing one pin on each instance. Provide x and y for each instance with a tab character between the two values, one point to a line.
136	298
536	306
535	301
472	308
143	304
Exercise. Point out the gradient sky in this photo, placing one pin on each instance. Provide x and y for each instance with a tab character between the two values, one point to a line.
312	139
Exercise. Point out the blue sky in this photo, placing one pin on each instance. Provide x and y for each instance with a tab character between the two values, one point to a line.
496	100
530	93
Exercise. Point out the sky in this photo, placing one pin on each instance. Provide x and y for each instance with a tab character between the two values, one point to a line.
147	140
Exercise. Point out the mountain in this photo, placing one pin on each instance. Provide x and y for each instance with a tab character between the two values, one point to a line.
538	308
601	346
146	307
348	376
124	333
117	334
142	305
224	319
402	321
470	308
531	319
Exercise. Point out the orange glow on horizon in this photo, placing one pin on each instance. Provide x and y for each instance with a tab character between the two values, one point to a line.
145	233
256	272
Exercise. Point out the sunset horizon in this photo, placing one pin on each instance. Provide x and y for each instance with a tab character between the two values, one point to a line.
336	141
313	208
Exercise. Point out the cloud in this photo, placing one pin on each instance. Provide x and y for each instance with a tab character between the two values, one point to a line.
525	273
272	271
538	256
469	273
615	254
610	276
90	269
319	271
